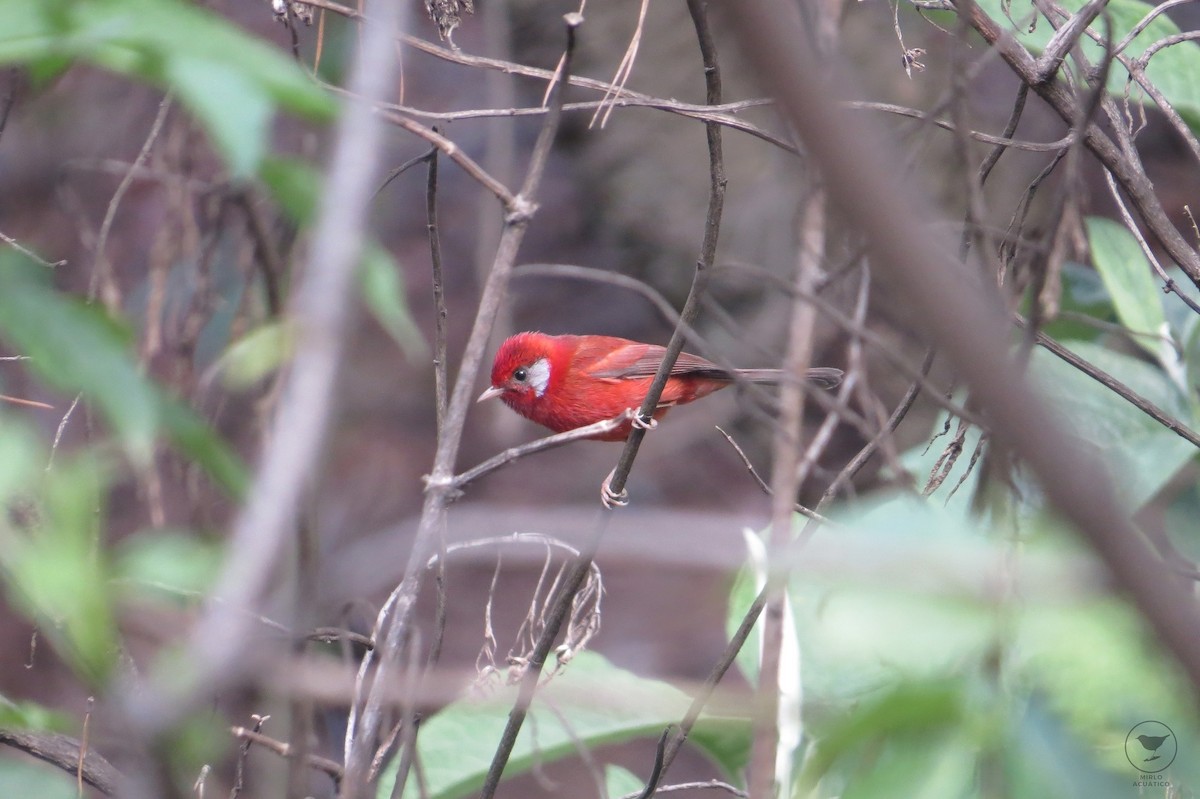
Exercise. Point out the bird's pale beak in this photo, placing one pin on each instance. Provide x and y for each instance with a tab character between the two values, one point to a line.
491	392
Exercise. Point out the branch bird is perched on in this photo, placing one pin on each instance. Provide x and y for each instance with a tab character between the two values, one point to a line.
565	382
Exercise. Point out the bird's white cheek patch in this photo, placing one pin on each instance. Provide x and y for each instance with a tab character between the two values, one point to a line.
539	375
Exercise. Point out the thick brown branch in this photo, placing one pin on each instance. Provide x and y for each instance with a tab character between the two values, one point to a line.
62	751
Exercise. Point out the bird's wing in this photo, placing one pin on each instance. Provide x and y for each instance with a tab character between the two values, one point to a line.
634	360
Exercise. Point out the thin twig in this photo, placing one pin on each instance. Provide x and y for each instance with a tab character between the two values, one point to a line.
455	154
766	488
330	767
863	455
511	454
716	785
1169	284
102	270
239	769
1117	387
16	245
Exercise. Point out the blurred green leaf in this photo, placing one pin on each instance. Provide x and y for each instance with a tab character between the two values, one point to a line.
619	782
1130	282
914	732
1097	670
32	716
914	675
603	705
384	294
175	560
55	573
257	354
235	112
1173	70
1141	455
22	456
230	80
77	348
1044	757
294	185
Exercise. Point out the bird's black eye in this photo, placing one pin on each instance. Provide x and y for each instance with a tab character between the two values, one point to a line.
521	375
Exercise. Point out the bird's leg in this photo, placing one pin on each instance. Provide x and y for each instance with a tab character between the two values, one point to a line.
642	424
608	498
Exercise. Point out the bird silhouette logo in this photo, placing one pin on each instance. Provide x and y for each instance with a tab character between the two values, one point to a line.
1150	746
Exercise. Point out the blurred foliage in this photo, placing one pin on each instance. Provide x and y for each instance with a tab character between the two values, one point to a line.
229	80
59	564
620	782
591	703
76	348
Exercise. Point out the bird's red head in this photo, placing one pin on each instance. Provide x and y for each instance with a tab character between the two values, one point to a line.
521	371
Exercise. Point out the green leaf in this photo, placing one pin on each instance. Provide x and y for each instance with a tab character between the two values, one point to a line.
55	574
22	457
230	80
77	348
917	727
294	185
620	782
1140	454
257	354
602	704
914	675
1174	70
32	716
174	560
1044	757
384	294
233	108
1130	281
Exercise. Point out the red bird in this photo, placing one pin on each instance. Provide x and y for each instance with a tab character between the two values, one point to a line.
565	382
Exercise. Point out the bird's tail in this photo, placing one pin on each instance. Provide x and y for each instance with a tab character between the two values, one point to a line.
823	376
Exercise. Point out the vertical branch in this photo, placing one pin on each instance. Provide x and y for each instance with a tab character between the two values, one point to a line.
440	489
439	294
301	706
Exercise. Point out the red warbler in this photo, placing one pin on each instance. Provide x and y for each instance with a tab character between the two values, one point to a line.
565	382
